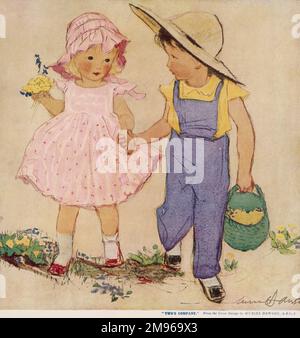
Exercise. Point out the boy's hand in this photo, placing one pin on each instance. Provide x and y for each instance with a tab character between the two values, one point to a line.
124	138
130	137
245	182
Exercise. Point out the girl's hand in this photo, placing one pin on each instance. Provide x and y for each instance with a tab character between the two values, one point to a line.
245	182
41	97
130	137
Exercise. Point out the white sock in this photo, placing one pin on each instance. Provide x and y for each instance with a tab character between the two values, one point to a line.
111	249
209	282
65	242
176	251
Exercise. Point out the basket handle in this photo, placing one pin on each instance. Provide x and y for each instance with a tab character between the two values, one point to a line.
261	194
236	188
233	190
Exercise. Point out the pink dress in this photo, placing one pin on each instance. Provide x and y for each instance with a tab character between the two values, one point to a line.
62	159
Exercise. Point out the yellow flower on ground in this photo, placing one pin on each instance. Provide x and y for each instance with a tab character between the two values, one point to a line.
280	228
24	241
293	226
10	243
36	252
230	256
280	237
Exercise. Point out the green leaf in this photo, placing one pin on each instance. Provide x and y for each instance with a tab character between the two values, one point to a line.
96	285
296	239
227	268
281	245
114	298
285	251
129	292
274	244
155	247
227	262
235	264
136	258
286	235
161	261
272	235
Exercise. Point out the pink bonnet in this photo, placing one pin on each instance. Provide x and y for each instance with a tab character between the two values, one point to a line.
87	30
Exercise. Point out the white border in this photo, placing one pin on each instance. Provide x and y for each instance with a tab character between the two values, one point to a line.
146	314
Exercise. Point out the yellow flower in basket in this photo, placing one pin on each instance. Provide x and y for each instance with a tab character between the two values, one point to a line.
38	84
246	218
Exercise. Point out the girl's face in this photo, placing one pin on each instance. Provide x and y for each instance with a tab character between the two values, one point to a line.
181	64
93	64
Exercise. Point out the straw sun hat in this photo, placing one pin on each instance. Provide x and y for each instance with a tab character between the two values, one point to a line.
200	33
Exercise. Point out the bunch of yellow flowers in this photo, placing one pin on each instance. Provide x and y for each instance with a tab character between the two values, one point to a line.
36	85
244	217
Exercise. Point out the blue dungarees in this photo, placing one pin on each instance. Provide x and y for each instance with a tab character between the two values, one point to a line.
202	203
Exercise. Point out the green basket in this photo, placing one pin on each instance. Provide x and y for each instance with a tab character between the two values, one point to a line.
246	237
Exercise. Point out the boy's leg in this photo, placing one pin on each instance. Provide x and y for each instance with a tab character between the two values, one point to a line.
208	233
176	216
208	236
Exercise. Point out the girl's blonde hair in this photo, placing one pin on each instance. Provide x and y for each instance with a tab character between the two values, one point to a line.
72	69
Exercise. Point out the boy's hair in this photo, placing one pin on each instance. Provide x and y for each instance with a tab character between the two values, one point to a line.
164	37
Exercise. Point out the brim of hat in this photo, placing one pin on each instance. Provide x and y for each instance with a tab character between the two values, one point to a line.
61	61
156	23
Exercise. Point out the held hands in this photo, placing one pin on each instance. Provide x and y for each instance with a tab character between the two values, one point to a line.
245	182
125	141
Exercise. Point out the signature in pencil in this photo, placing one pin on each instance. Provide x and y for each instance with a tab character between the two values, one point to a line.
270	301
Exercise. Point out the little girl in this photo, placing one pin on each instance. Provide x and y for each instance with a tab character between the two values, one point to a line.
61	159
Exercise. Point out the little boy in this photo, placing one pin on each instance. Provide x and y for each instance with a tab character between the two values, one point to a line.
198	105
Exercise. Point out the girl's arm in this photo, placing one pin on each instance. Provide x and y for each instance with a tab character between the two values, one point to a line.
53	105
126	118
159	129
245	143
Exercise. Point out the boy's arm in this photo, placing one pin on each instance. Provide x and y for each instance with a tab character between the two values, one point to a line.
54	106
245	143
159	129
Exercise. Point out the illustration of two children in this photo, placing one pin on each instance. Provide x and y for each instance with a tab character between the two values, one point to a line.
60	160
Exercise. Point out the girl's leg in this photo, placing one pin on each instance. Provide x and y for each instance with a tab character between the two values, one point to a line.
66	221
109	219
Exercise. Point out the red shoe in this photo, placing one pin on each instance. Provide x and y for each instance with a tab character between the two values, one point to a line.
58	270
114	262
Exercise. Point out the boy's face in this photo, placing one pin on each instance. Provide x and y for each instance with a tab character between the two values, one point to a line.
180	63
93	64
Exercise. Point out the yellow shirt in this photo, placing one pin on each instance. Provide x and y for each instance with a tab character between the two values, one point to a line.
230	90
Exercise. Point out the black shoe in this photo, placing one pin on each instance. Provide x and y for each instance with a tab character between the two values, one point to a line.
173	260
215	293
